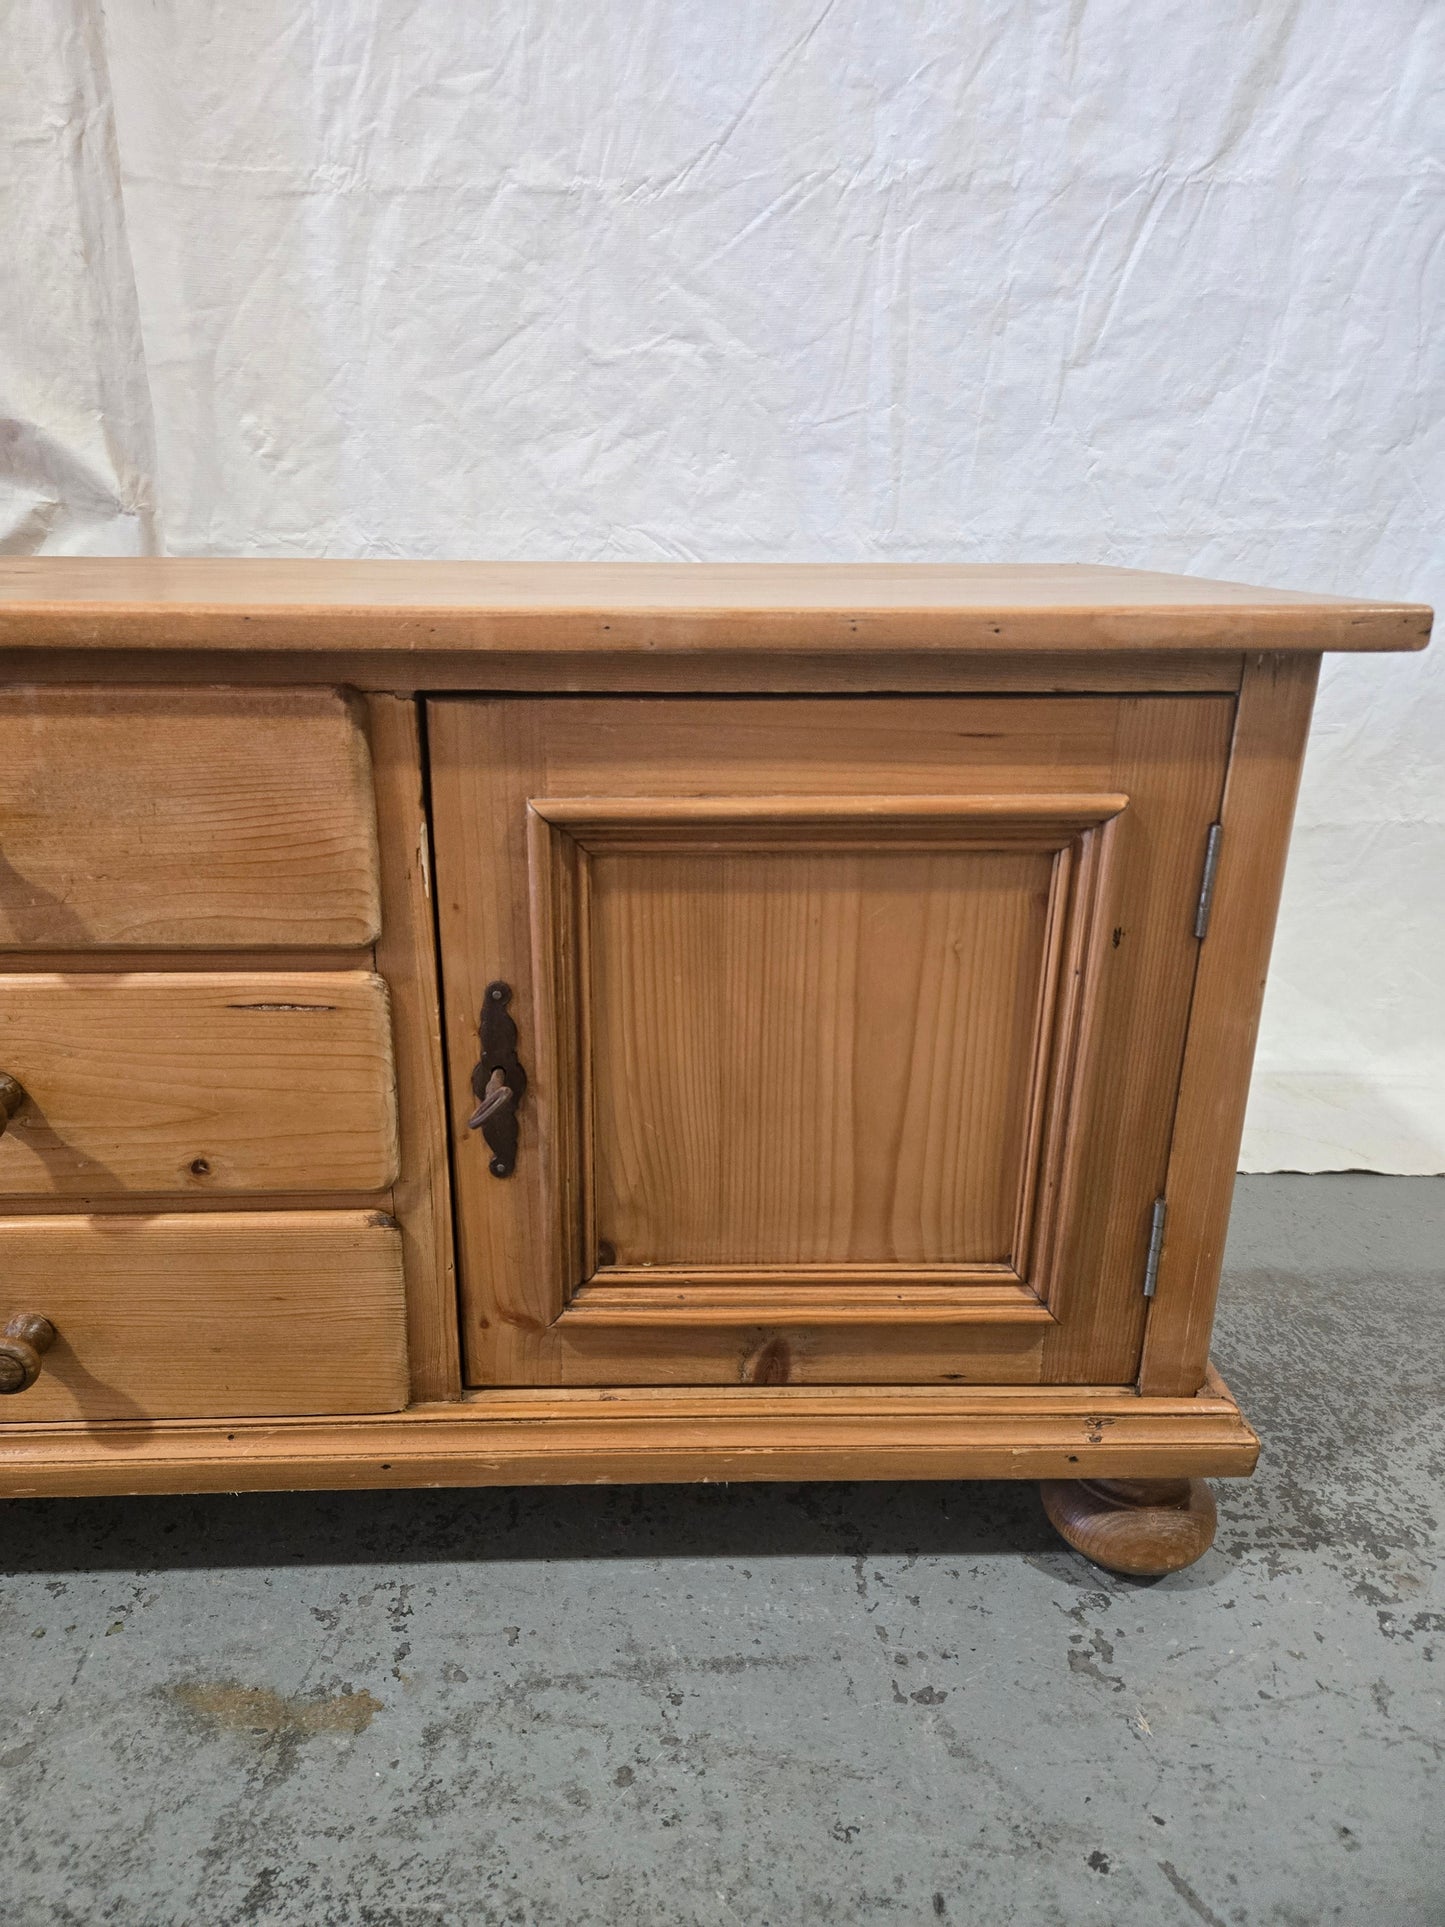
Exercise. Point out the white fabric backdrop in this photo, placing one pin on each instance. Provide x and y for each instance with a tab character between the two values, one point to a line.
1075	279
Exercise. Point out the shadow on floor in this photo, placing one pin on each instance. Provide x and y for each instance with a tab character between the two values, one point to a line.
976	1520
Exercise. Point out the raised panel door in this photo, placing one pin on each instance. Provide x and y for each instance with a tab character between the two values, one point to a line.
851	1029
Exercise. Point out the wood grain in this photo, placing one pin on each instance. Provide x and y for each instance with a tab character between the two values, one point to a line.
630	670
640	1435
197	1083
989	1344
490	759
813	1058
1264	771
401	606
190	1315
1030	820
1170	756
180	819
833	1081
818	1295
1142	1527
407	957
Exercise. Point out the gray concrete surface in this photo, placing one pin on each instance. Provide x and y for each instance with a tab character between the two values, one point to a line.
776	1705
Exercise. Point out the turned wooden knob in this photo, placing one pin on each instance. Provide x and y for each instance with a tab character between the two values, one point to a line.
22	1343
12	1096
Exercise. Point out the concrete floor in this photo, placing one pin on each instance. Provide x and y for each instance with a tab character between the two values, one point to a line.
776	1705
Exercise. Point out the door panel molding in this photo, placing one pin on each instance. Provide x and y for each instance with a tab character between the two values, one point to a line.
565	837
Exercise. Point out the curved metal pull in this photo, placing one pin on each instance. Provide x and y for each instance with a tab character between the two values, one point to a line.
24	1339
12	1096
498	1097
498	1083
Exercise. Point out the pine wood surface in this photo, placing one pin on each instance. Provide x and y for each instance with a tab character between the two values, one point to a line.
811	1295
815	1024
853	1348
1271	728
196	1083
1142	1527
407	958
280	1059
1170	756
104	603
488	759
180	1315
638	1435
635	668
184	819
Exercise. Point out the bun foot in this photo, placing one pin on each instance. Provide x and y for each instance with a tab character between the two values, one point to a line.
1143	1527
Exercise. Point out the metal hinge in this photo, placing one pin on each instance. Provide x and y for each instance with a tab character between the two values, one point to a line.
1156	1245
1206	882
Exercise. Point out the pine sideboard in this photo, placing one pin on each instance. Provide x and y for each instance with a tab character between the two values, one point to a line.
504	1024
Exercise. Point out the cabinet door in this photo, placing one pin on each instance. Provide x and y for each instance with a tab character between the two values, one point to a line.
851	1029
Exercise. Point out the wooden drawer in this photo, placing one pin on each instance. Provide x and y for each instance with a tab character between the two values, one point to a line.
185	818
202	1314
184	1083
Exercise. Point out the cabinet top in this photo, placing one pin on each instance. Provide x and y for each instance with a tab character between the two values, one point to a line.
94	602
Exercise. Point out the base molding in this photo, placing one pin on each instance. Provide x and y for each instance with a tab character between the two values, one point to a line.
654	1435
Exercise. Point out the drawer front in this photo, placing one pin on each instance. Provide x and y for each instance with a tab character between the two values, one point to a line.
185	818
190	1315
188	1084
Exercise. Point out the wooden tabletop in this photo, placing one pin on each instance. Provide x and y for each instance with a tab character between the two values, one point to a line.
110	603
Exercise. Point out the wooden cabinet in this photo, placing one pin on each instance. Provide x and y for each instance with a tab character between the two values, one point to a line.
826	997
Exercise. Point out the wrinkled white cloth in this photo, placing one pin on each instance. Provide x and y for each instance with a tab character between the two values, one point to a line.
788	279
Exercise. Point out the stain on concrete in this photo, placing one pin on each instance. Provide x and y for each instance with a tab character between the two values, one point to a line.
227	1707
1092	1658
1187	1894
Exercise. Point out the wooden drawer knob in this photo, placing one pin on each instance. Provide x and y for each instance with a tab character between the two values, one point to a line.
22	1343
12	1096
